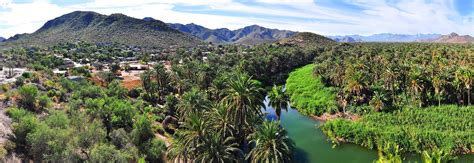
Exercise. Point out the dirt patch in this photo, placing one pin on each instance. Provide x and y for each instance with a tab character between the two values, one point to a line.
131	79
327	116
96	80
5	124
164	138
131	83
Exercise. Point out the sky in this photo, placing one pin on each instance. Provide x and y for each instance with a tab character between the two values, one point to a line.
326	17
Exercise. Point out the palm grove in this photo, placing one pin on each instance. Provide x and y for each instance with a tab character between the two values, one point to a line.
409	97
211	109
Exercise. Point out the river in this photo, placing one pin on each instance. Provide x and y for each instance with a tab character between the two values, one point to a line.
312	145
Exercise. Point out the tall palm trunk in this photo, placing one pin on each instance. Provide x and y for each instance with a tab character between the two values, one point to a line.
468	96
278	113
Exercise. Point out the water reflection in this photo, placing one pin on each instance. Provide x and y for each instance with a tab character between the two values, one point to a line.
312	145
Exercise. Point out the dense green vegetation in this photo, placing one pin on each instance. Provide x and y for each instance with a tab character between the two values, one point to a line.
93	126
389	76
448	128
395	88
308	94
207	104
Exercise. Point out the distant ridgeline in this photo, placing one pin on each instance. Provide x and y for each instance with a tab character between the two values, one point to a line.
249	35
384	37
389	37
450	38
94	27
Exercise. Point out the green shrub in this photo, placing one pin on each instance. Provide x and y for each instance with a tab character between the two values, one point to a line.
135	92
28	96
107	153
16	114
154	150
158	128
120	138
3	152
27	75
20	81
5	87
44	102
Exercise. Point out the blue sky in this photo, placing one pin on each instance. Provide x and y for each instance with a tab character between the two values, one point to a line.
327	17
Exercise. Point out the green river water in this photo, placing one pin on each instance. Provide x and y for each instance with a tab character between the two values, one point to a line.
312	145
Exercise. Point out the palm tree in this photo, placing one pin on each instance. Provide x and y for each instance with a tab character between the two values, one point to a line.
390	77
193	131
175	82
163	79
192	102
178	151
148	84
377	101
466	77
217	85
219	149
416	85
458	86
355	85
438	85
244	98
278	100
220	120
271	144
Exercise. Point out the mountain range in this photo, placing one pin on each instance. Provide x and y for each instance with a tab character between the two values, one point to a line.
149	32
98	28
450	38
384	37
346	39
253	34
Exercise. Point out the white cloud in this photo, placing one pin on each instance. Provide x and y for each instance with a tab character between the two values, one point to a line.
404	16
414	17
26	17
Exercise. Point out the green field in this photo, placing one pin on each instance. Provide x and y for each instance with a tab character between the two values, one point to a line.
308	94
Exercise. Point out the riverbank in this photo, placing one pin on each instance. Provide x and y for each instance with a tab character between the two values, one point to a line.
312	144
413	129
448	128
308	94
